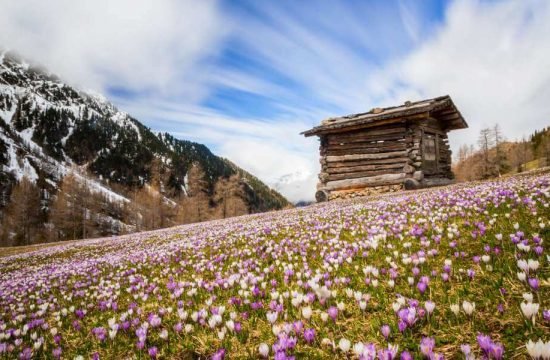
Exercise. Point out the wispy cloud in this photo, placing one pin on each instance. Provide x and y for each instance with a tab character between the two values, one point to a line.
492	58
246	77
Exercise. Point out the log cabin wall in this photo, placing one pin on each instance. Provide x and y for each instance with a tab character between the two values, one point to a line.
376	156
386	149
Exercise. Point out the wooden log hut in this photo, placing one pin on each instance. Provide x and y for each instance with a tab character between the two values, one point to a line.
387	149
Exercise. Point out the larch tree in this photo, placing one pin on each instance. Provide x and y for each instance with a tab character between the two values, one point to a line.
23	214
73	210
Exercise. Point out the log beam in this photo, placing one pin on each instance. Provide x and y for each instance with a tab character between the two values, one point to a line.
386	179
367	156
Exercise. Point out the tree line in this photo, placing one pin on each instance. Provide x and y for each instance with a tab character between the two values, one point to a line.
76	210
495	156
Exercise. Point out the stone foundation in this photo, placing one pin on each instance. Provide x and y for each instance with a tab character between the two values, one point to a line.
367	191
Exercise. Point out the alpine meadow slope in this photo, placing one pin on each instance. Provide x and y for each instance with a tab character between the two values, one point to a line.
444	273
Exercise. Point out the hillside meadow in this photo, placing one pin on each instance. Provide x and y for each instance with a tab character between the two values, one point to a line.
455	272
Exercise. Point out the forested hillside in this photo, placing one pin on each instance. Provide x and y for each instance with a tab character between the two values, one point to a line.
495	156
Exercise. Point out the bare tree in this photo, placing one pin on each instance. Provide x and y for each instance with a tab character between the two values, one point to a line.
500	156
485	143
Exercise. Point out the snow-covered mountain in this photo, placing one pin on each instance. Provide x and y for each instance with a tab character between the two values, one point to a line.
296	185
49	129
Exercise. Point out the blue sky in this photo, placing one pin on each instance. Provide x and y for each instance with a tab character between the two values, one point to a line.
245	77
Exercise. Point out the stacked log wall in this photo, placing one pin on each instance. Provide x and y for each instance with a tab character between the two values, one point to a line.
372	157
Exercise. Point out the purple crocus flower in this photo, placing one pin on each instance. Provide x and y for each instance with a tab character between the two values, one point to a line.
100	333
26	354
298	326
79	313
153	352
427	345
219	355
484	343
385	330
56	353
534	283
154	320
237	327
309	335
333	312
497	351
422	287
141	334
387	354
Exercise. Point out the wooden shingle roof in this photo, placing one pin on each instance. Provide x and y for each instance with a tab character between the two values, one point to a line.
441	108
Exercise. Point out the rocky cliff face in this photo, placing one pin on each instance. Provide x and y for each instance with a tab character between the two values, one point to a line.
49	129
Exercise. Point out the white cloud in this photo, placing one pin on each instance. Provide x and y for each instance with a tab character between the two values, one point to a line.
153	46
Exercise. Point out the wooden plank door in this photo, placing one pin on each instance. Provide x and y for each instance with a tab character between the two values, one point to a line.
429	153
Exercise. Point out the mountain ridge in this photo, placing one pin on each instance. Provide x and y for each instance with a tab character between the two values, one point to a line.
49	129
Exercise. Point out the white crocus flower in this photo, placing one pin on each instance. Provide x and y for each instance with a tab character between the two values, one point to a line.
533	264
263	349
468	307
522	264
430	306
529	310
306	312
358	349
344	345
538	350
272	316
230	324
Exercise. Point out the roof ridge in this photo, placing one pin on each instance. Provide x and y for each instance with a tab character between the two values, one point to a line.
408	108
